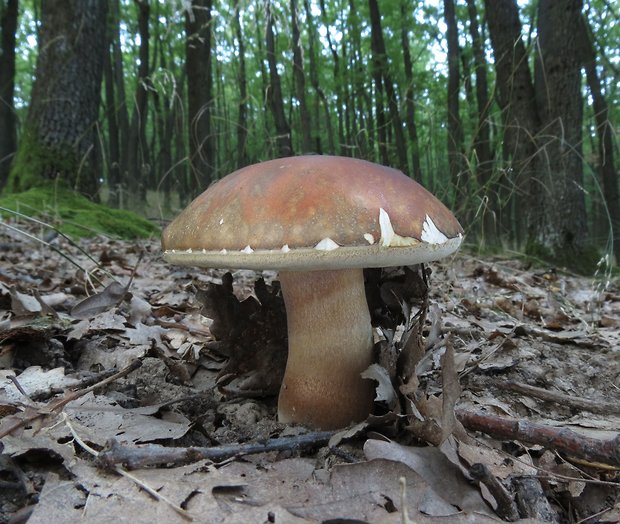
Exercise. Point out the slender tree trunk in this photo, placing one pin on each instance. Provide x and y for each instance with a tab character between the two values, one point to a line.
58	141
8	134
482	141
242	109
283	139
558	221
412	129
199	30
605	132
455	128
138	161
120	108
366	132
338	84
114	148
380	63
320	98
300	83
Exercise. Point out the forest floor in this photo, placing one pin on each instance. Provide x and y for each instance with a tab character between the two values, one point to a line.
502	342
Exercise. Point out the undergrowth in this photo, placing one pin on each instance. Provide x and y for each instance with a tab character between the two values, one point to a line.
75	215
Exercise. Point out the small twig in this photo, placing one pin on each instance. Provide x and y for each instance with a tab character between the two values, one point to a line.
183	327
151	455
19	386
506	506
152	492
560	439
57	405
585	404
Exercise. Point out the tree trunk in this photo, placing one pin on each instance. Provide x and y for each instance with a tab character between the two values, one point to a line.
515	91
365	126
242	109
558	221
199	30
283	139
300	84
138	162
409	101
380	62
111	109
605	132
338	84
122	115
455	128
8	135
59	135
320	97
482	142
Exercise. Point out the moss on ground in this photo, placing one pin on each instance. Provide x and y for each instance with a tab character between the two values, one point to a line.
75	215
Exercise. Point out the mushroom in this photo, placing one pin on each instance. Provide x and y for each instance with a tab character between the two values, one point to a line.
318	220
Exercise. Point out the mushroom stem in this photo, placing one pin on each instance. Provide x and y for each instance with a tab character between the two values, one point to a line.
330	344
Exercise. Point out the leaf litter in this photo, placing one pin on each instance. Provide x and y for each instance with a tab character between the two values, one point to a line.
493	339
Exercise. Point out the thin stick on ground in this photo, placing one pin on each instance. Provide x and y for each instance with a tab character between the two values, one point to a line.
152	455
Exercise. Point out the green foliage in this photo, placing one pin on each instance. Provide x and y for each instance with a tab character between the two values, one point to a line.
75	215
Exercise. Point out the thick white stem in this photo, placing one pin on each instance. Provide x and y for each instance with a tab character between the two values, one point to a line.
330	344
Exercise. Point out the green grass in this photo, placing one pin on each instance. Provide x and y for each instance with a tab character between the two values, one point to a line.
75	215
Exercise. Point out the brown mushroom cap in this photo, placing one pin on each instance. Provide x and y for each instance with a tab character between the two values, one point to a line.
312	212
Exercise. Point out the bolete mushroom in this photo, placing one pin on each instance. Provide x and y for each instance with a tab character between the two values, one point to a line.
318	220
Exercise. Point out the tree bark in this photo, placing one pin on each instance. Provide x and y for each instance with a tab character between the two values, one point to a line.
455	128
138	158
58	141
8	134
320	98
482	142
283	130
515	94
300	83
199	30
558	220
122	114
242	109
380	62
412	129
338	84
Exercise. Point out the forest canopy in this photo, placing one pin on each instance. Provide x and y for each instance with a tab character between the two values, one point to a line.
504	109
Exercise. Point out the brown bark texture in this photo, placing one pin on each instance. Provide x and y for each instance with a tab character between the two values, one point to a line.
305	124
283	130
59	136
455	127
558	218
515	94
138	161
199	61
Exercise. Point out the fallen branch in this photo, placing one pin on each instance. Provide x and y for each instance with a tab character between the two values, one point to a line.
152	455
560	439
581	403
